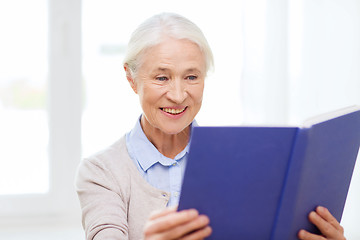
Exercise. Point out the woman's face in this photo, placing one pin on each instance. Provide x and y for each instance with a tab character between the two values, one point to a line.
170	84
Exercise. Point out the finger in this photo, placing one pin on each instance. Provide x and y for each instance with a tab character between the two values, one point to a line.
325	227
188	228
169	221
305	235
162	212
199	234
325	214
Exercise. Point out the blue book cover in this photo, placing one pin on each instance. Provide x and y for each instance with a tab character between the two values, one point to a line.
261	182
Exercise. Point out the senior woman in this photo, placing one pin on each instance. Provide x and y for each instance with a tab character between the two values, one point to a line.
131	189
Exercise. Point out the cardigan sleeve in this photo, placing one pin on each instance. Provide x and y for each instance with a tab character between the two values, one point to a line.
104	209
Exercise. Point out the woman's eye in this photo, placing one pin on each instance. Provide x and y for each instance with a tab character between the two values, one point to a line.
162	78
191	77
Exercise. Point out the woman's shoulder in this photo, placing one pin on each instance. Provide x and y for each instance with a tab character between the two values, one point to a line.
109	168
113	160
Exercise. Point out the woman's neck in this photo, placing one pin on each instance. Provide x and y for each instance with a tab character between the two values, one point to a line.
169	145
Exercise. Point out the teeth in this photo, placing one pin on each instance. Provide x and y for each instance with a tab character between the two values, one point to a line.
173	111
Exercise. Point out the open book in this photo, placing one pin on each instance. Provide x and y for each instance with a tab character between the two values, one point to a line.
262	182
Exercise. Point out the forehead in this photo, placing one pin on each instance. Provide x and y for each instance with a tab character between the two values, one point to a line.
173	54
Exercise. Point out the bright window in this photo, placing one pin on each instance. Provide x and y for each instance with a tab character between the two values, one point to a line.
40	109
23	117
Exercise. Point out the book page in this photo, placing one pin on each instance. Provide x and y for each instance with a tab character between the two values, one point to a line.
329	115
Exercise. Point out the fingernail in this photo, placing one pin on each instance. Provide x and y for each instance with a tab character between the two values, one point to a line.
193	212
313	214
321	209
204	219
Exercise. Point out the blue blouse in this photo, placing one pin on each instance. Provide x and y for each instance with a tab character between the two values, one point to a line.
159	171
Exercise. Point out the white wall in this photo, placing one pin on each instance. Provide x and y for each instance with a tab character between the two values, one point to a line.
301	59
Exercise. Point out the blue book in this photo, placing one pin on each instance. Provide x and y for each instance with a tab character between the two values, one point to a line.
262	182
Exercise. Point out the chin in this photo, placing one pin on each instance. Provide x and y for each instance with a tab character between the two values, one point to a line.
172	130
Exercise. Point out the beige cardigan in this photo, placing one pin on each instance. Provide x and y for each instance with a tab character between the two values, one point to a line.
115	199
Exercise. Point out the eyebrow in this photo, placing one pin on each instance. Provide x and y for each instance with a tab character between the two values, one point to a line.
186	71
162	69
193	70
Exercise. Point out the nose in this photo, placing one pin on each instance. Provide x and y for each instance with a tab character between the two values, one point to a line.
177	92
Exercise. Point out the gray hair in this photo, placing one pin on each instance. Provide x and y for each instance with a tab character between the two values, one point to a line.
150	33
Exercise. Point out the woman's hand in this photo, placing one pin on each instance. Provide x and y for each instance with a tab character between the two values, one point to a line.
170	224
326	223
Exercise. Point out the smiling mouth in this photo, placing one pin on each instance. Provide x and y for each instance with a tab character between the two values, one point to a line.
173	111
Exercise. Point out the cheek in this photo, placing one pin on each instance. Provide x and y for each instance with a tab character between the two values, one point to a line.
145	102
149	96
197	94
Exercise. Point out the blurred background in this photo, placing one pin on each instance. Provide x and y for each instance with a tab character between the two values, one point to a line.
64	95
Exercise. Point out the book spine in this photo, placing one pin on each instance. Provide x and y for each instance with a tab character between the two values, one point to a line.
282	229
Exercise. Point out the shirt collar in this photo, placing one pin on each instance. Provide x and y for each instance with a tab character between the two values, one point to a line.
145	152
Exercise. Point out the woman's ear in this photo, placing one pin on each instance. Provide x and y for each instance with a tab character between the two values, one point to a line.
130	78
